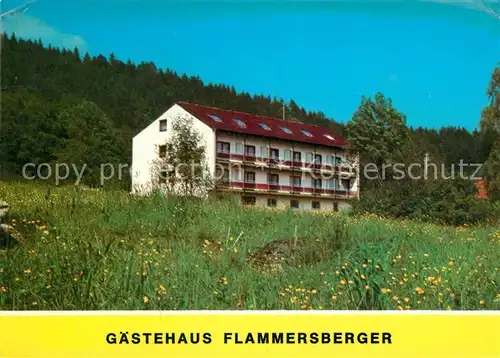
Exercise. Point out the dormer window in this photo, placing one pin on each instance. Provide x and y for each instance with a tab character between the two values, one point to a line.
215	118
264	126
306	133
240	123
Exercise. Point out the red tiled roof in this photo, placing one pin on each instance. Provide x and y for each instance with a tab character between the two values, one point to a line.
225	120
481	188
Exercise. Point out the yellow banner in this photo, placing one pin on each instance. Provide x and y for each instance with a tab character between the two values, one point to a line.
239	335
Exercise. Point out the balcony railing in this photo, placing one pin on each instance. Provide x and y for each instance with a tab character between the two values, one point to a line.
223	154
252	158
275	186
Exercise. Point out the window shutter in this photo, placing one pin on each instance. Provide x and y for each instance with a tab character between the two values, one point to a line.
288	154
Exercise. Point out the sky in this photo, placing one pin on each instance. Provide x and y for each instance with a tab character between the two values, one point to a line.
434	59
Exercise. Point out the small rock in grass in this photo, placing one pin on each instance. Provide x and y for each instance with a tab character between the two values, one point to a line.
4	209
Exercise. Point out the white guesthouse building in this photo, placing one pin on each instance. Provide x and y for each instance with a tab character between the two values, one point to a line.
264	161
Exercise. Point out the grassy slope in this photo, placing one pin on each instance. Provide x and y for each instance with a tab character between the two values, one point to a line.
106	250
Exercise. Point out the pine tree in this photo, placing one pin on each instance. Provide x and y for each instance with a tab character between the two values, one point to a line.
490	125
377	131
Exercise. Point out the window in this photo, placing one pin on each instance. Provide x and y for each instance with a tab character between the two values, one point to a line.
271	202
273	179
218	172
316	205
331	159
215	118
240	123
317	183
222	173
286	130
329	137
330	184
162	178
265	126
309	157
346	183
236	175
164	175
275	153
249	177
317	159
223	147
162	149
295	181
239	148
294	204
287	154
297	157
335	206
248	200
339	160
163	125
250	150
306	133
264	153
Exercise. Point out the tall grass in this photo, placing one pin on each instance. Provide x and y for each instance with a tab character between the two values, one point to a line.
96	250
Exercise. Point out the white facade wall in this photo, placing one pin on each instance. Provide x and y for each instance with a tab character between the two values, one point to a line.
145	147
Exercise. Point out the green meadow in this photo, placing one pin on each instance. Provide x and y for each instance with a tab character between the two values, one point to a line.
106	250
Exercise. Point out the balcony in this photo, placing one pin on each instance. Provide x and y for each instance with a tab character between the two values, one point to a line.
273	160
252	159
275	187
223	154
249	185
